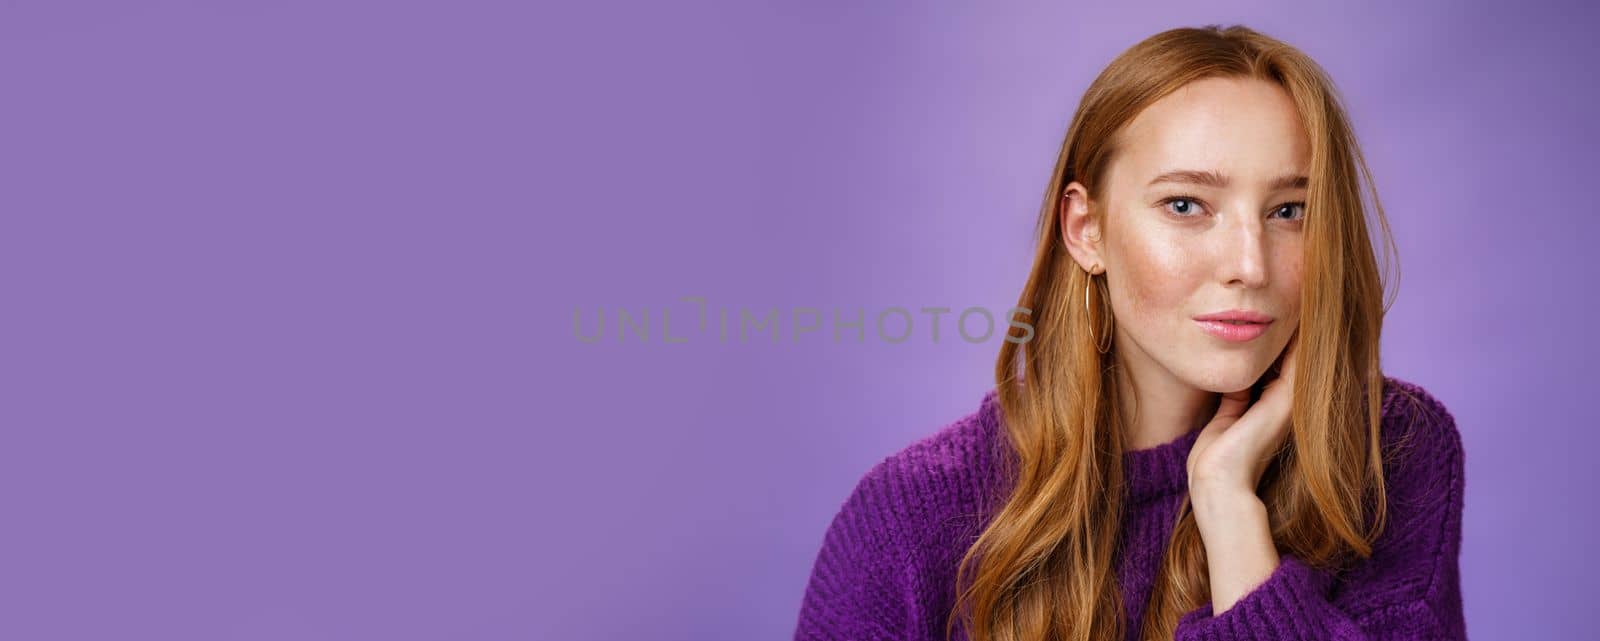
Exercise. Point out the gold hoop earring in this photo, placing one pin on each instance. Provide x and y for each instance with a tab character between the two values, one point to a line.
1102	346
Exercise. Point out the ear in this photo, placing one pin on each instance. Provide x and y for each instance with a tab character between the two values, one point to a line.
1080	231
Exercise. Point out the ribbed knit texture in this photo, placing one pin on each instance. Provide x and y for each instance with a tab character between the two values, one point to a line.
886	568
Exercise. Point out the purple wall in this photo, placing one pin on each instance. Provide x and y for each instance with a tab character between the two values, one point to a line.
289	294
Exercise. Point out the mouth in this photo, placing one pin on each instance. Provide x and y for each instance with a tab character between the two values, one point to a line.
1235	331
1236	315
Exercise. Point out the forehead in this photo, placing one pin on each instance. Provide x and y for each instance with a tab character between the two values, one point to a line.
1245	129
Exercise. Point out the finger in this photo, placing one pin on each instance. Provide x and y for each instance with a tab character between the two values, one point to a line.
1233	404
1262	431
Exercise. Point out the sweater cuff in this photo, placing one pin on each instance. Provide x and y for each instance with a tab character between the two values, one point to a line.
1287	605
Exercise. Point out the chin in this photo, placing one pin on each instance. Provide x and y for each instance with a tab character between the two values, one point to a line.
1227	382
1226	389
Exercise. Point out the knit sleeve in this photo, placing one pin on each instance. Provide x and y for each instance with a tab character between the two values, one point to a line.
1409	589
863	583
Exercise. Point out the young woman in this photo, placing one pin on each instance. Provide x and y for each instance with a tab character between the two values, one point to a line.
1197	441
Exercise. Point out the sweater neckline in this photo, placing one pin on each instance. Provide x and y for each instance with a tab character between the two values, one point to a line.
1149	473
1160	470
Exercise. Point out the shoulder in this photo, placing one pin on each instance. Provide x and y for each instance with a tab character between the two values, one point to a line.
892	546
1413	564
1423	489
1419	432
1402	398
935	488
951	452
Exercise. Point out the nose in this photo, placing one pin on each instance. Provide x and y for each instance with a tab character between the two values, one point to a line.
1244	254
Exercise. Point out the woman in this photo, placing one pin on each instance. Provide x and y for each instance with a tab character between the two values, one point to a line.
1197	441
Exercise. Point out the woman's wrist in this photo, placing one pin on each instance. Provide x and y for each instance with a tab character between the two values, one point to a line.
1223	510
1222	498
1238	542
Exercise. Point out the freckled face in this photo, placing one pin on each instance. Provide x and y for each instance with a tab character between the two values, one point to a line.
1176	249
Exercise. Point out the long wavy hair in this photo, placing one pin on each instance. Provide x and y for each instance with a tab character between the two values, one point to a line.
1042	569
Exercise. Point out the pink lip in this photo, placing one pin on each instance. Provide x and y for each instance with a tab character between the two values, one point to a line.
1246	315
1236	333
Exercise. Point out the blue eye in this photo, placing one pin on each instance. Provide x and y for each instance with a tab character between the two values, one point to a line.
1185	207
1295	205
1183	210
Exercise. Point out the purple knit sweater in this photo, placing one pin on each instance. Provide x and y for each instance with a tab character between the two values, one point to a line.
886	569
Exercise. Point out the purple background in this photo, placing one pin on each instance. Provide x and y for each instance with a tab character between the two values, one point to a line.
289	291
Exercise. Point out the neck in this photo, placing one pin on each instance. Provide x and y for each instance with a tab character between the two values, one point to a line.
1156	406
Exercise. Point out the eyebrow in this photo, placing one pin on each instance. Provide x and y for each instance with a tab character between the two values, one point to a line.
1214	179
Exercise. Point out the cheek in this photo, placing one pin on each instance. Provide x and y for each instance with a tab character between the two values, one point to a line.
1154	279
1291	277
